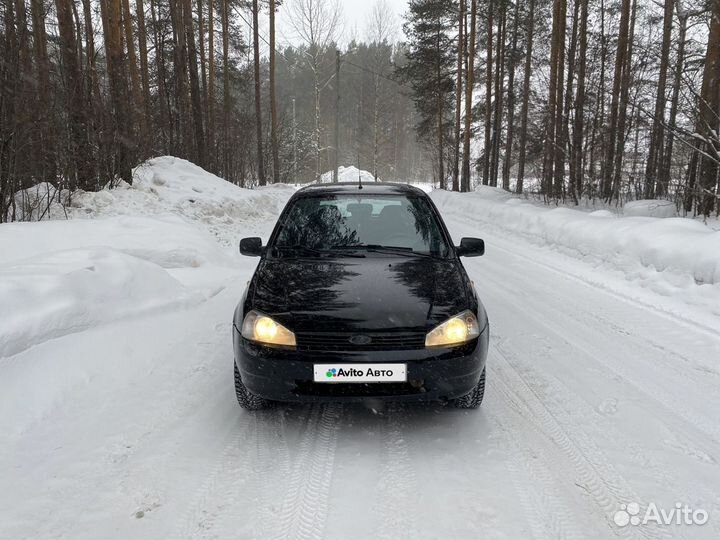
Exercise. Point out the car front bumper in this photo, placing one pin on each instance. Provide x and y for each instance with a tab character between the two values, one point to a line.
437	374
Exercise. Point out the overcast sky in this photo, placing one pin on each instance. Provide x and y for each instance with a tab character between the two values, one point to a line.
356	14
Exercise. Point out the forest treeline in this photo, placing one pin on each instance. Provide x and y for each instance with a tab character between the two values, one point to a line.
91	88
602	99
571	99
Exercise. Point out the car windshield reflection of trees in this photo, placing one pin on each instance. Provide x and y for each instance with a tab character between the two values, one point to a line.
427	227
317	226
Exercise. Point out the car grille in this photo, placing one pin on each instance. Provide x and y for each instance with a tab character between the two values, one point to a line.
324	341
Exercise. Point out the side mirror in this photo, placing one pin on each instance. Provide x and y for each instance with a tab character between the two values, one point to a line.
471	247
251	247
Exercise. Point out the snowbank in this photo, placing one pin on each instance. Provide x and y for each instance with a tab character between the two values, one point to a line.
427	187
348	174
166	241
658	208
682	252
170	185
64	276
68	291
38	202
351	174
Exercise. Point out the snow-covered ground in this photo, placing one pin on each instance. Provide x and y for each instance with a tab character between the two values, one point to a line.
674	257
119	419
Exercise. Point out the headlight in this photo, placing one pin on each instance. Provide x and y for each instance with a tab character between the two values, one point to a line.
261	328
455	331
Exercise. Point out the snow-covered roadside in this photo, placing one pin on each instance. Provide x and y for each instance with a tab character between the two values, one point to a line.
72	290
166	244
674	257
167	240
170	185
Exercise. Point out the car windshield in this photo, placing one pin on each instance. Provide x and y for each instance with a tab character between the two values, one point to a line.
390	223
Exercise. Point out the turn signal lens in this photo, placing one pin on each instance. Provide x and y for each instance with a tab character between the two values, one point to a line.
455	331
261	328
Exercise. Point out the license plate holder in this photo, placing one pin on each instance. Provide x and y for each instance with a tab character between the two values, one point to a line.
360	373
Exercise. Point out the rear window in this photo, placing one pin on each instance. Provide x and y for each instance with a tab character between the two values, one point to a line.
356	221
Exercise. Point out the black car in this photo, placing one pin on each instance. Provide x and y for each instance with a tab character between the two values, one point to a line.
360	295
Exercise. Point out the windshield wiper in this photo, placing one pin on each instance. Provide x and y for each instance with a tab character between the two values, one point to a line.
399	250
306	250
298	249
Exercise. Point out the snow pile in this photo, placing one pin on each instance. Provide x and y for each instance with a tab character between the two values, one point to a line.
490	192
68	291
672	252
427	187
348	174
169	185
658	208
64	276
39	202
165	241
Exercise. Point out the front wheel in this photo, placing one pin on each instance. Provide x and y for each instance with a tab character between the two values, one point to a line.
247	399
474	398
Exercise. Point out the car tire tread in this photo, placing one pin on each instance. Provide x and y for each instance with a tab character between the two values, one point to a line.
247	399
474	398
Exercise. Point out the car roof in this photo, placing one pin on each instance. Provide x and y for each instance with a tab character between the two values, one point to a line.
368	188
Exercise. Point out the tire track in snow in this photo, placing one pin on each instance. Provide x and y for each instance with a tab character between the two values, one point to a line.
199	519
575	411
595	474
295	472
674	406
273	459
398	485
247	470
261	467
576	324
305	506
545	510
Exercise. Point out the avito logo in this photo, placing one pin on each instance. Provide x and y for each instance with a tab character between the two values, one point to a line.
353	372
681	514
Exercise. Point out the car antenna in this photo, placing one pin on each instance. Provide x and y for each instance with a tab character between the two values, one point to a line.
359	179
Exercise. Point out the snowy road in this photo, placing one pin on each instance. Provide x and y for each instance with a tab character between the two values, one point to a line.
594	400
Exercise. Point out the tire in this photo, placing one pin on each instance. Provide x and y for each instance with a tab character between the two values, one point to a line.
473	399
247	399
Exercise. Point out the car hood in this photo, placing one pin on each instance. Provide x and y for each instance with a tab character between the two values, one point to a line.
370	294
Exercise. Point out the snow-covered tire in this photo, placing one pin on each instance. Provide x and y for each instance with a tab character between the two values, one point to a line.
474	398
247	399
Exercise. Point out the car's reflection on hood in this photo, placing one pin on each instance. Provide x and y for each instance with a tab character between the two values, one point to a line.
343	294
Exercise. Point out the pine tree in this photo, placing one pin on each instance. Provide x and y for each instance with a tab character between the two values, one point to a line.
530	30
708	123
258	102
469	83
430	72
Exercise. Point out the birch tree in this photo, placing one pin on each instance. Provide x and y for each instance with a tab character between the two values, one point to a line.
317	25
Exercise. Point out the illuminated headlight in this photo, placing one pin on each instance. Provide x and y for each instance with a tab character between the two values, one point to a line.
261	328
455	331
